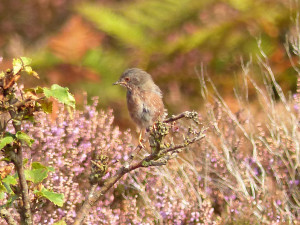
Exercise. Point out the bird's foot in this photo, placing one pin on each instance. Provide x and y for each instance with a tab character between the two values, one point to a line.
141	143
141	140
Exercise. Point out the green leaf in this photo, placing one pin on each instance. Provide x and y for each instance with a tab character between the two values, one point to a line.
61	94
5	141
2	74
22	64
61	222
29	71
2	188
7	181
56	198
17	66
38	172
38	165
5	159
10	180
46	106
29	118
24	137
36	175
2	195
37	90
26	61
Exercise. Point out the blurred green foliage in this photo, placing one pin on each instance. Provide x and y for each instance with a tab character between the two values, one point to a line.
168	38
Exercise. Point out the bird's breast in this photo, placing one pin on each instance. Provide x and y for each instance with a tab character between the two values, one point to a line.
145	107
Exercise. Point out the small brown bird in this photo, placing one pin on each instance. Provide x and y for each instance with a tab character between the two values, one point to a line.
144	98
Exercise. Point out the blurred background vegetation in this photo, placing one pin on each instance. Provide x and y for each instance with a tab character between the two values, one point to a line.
86	45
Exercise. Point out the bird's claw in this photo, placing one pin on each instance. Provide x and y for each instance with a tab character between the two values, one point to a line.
141	143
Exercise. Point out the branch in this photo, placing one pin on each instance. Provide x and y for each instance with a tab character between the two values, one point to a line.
95	195
154	159
26	210
25	214
187	142
8	217
26	101
191	115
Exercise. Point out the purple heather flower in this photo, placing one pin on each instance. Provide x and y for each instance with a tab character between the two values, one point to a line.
294	182
278	202
256	171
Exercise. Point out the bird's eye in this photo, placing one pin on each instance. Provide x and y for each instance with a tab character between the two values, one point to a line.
127	79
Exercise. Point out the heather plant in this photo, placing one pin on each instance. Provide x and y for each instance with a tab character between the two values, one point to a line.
73	153
246	169
253	168
60	169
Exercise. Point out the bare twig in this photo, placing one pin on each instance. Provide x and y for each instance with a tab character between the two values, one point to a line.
186	114
187	142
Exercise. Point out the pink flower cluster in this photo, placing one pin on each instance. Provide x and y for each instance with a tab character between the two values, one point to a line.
70	142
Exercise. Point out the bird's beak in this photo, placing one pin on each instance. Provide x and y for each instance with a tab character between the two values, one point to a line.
120	83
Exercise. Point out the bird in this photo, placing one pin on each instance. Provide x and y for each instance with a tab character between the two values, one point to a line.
144	99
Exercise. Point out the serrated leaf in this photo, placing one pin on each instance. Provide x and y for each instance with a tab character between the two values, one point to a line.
24	137
17	66
36	175
56	198
61	222
26	61
61	94
5	141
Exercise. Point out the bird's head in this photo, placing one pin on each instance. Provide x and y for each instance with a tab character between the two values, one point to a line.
134	77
